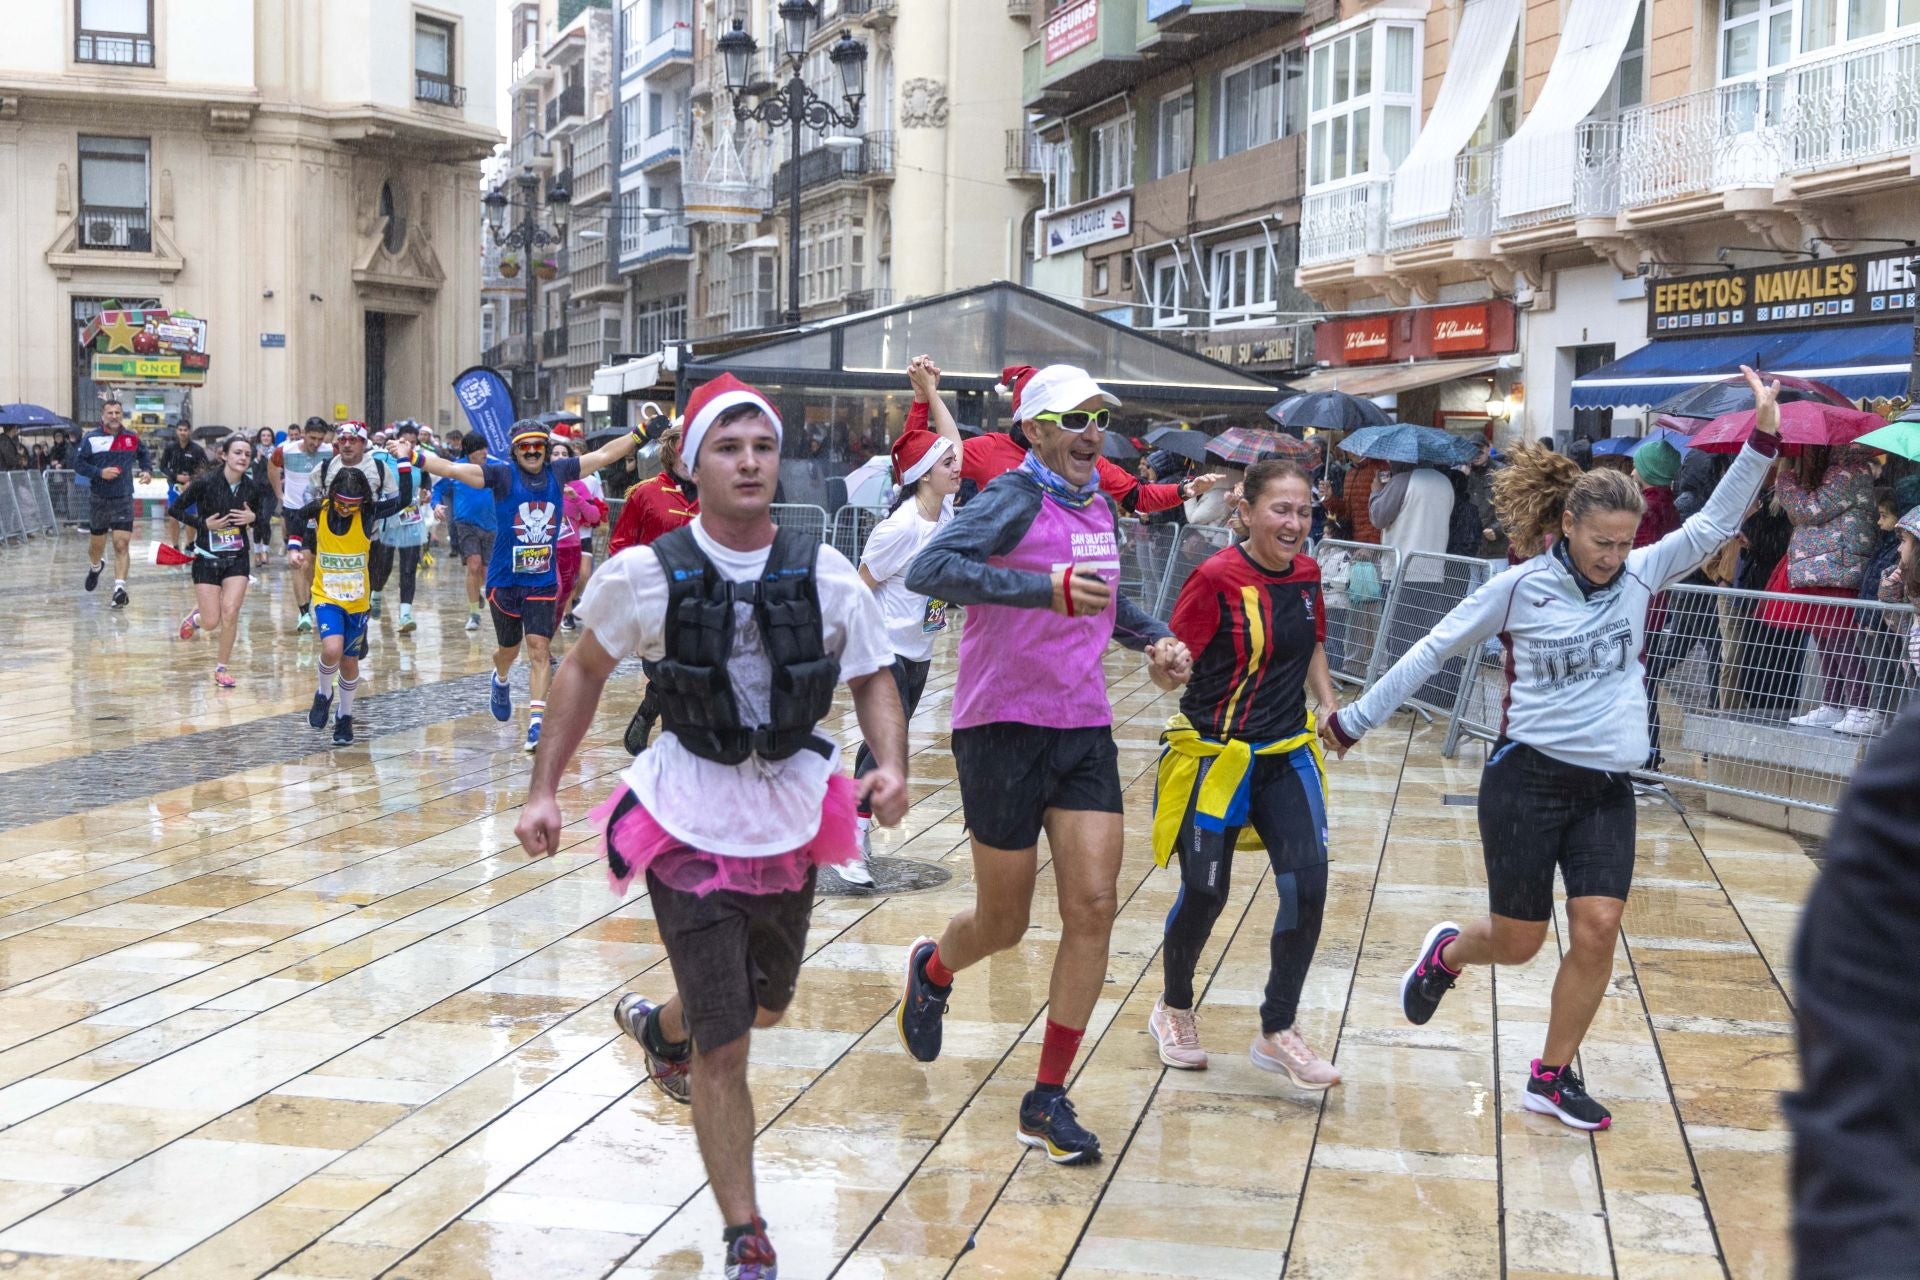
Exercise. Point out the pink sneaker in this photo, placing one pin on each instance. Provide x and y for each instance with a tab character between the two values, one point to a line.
190	624
221	678
1178	1035
1286	1052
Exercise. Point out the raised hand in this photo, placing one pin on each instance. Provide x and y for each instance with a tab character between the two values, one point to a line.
1766	402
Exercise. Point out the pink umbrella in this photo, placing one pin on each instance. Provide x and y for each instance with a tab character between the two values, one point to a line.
1802	423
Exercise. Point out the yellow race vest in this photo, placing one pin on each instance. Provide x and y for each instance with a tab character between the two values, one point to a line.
340	564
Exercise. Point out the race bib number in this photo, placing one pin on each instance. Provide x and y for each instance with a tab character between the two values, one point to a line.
411	515
343	577
225	541
532	560
935	618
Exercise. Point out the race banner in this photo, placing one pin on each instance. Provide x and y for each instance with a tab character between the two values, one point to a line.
488	403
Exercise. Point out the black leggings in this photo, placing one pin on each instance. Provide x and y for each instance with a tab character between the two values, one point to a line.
910	678
380	566
1286	807
263	521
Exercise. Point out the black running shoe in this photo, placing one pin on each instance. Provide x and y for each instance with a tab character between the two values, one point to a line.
343	731
922	1005
1047	1122
317	713
569	623
119	600
1428	980
93	574
1563	1094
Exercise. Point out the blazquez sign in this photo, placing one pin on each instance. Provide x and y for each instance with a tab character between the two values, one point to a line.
1107	220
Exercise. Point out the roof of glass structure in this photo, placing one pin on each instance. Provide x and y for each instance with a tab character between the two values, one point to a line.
974	334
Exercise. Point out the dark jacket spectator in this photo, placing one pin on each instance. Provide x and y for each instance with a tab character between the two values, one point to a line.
13	455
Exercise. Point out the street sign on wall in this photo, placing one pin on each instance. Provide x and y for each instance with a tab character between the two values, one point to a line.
1074	228
1074	26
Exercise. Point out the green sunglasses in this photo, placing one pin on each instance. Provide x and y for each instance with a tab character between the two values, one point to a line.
1077	420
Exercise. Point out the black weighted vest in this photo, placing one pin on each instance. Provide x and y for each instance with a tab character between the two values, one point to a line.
696	698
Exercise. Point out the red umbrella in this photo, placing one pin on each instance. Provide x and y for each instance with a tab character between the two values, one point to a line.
1802	423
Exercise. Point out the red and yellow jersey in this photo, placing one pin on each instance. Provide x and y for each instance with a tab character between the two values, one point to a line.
1252	633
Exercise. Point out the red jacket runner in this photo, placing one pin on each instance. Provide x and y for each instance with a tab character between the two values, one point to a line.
654	507
995	453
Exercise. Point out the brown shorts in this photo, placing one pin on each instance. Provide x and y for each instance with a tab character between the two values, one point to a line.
732	954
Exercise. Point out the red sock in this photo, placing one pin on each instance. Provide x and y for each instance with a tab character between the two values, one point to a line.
1056	1054
938	974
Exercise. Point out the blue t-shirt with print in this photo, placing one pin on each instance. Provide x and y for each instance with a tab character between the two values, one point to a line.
526	522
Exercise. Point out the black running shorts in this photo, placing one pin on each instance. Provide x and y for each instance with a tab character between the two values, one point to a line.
212	573
110	513
732	954
519	611
1538	813
1011	774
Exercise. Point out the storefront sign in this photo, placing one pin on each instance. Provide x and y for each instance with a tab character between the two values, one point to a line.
1362	341
188	369
1257	347
1469	329
1073	27
1104	221
1860	288
1460	330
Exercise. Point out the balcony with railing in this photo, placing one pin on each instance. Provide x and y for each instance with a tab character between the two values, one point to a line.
669	146
654	329
823	165
1712	141
553	344
506	353
1471	209
1347	222
566	106
531	148
113	229
589	272
113	49
1026	156
592	163
669	240
438	91
1853	110
1591	165
673	43
527	66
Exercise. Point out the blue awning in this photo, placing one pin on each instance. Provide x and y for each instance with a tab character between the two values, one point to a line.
1863	361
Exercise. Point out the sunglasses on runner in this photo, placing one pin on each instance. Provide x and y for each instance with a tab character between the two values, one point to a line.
1077	420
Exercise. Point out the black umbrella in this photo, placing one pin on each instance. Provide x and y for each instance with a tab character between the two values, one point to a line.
606	436
1732	395
1328	411
211	432
558	416
1118	448
1163	428
1186	443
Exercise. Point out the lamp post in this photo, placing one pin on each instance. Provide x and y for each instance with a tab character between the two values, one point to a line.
794	105
527	235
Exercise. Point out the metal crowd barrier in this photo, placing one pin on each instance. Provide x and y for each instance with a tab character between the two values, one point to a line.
1354	578
30	498
1424	589
852	526
68	495
804	517
13	521
48	519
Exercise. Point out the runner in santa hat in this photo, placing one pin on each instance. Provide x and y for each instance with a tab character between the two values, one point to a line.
747	631
927	467
995	453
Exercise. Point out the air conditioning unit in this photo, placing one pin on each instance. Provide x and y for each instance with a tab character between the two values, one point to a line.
104	233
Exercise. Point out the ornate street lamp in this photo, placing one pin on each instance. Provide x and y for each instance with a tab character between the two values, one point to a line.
528	235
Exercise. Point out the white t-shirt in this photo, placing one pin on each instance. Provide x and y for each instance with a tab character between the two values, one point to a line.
913	620
757	808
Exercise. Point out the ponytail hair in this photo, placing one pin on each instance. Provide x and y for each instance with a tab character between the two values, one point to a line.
1539	486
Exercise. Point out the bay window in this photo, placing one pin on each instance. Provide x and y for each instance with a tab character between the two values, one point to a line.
1109	157
1364	104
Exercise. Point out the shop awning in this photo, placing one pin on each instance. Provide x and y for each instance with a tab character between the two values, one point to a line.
1863	361
1536	164
631	378
1394	378
1423	185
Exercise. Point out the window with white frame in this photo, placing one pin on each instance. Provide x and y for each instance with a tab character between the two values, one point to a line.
1059	174
716	276
1503	113
1628	89
1168	291
1173	134
750	294
118	32
631	223
433	63
1826	23
831	251
1242	276
1363	102
633	37
1109	157
1259	102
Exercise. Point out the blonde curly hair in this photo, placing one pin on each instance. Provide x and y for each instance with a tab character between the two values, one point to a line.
1538	486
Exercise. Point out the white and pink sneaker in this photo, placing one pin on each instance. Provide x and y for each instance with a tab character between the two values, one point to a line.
1177	1032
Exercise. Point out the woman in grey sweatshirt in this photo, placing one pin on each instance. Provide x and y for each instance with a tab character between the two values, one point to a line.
1556	791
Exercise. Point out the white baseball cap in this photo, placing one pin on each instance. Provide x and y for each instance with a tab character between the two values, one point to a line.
1056	389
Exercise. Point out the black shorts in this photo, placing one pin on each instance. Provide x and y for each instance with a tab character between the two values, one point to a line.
1011	774
110	514
732	954
518	610
211	573
1538	813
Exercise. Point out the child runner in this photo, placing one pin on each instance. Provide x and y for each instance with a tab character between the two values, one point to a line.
1034	558
523	578
729	814
220	506
927	466
1242	767
1556	790
290	472
107	456
334	526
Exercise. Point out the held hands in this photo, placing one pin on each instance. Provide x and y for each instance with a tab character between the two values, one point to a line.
1169	663
1329	740
885	794
1766	402
539	827
1079	591
924	375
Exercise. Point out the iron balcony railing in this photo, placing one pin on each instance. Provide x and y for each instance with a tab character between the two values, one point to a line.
565	105
1026	153
1470	209
874	156
439	91
112	228
1852	109
1713	140
113	49
1594	161
1348	222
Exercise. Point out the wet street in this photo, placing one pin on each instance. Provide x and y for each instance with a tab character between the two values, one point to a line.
268	1007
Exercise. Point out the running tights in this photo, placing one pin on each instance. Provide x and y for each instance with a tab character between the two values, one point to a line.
381	564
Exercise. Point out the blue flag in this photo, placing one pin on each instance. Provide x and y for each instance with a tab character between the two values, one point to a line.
488	404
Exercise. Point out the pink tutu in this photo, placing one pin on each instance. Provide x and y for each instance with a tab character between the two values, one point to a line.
637	844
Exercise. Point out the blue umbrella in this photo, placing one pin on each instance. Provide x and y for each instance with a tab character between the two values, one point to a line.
1615	446
31	415
1678	439
1405	442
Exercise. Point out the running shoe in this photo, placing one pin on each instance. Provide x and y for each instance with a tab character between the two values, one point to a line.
407	624
533	737
1820	718
119	600
1563	1094
373	606
1428	980
343	731
317	713
858	873
473	622
500	700
569	623
668	1074
190	625
922	1005
1047	1122
1287	1052
93	574
305	624
222	678
1860	723
750	1255
1177	1032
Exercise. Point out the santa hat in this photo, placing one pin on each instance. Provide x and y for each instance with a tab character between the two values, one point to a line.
1014	378
916	452
712	399
358	430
